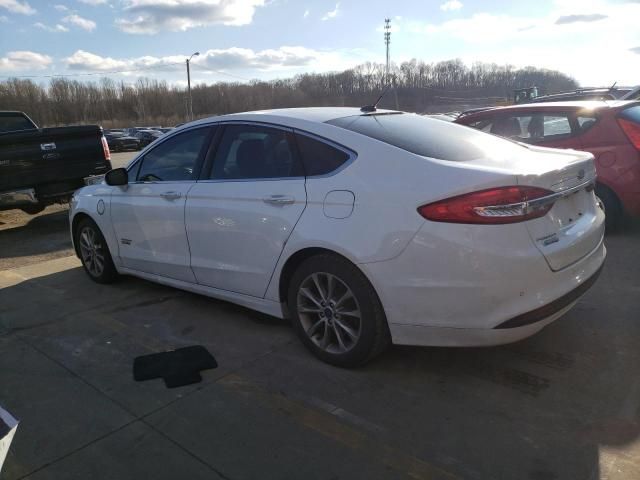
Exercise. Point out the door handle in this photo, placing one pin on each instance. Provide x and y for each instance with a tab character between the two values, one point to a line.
171	195
279	200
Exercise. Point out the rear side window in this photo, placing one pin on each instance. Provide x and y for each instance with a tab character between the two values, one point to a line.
585	122
482	125
532	128
632	114
318	157
427	136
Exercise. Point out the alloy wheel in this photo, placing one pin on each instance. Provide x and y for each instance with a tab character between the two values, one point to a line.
92	251
329	312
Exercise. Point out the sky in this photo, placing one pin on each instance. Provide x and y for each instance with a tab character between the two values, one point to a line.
595	41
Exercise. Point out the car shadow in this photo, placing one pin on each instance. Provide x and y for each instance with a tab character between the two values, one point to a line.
46	233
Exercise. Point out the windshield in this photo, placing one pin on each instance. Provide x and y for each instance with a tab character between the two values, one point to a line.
428	137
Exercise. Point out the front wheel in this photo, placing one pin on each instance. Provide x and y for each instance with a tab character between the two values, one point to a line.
336	312
94	252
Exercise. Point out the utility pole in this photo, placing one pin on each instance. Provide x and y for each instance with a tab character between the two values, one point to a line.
190	100
387	41
387	73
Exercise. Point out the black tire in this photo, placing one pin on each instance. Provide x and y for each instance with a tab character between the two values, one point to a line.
373	329
612	208
32	209
108	272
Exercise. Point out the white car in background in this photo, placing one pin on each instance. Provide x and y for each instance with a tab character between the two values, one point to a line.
363	227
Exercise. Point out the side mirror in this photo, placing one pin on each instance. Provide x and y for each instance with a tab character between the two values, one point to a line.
117	176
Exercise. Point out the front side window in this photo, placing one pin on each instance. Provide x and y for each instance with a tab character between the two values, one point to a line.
175	159
254	151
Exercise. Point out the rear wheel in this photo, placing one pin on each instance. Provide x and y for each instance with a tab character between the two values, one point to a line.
336	312
612	208
94	252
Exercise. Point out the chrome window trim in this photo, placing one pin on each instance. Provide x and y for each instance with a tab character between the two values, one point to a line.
259	179
294	130
162	182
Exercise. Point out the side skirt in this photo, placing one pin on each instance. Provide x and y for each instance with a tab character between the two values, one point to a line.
269	307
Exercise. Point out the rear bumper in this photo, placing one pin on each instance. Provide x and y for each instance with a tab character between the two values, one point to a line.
547	311
468	337
518	328
461	285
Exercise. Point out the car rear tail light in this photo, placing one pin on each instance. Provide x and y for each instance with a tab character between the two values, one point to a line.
105	148
493	206
632	130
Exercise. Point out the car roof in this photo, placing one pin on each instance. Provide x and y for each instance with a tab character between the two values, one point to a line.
310	114
573	105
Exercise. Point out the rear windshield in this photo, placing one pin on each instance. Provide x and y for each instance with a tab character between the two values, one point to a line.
427	136
10	122
632	114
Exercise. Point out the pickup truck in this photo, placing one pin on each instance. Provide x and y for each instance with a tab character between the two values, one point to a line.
42	166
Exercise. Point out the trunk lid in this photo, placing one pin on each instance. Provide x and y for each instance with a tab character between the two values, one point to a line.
575	224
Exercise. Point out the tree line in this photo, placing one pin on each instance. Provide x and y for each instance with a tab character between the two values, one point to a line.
415	86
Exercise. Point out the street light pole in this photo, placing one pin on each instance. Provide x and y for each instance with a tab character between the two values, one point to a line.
190	100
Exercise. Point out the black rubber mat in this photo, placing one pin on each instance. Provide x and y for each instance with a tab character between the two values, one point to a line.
177	367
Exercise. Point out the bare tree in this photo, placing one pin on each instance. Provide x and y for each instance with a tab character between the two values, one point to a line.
419	87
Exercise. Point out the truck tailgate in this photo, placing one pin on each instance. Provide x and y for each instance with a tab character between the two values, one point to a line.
29	158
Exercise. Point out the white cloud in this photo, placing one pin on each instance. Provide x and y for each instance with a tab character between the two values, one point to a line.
578	18
82	60
306	13
153	16
244	58
61	8
24	61
246	62
80	22
4	19
93	2
333	13
56	28
451	5
15	6
573	45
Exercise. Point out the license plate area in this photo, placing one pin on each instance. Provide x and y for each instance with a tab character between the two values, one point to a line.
569	209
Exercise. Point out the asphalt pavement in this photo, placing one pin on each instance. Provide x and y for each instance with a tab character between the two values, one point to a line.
563	404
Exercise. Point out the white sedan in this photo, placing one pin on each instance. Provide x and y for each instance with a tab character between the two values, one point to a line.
362	227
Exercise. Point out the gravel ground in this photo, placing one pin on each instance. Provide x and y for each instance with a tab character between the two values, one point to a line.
27	239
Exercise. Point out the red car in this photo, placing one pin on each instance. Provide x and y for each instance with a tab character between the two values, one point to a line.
610	130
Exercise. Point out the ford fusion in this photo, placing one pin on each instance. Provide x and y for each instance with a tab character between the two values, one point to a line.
363	227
